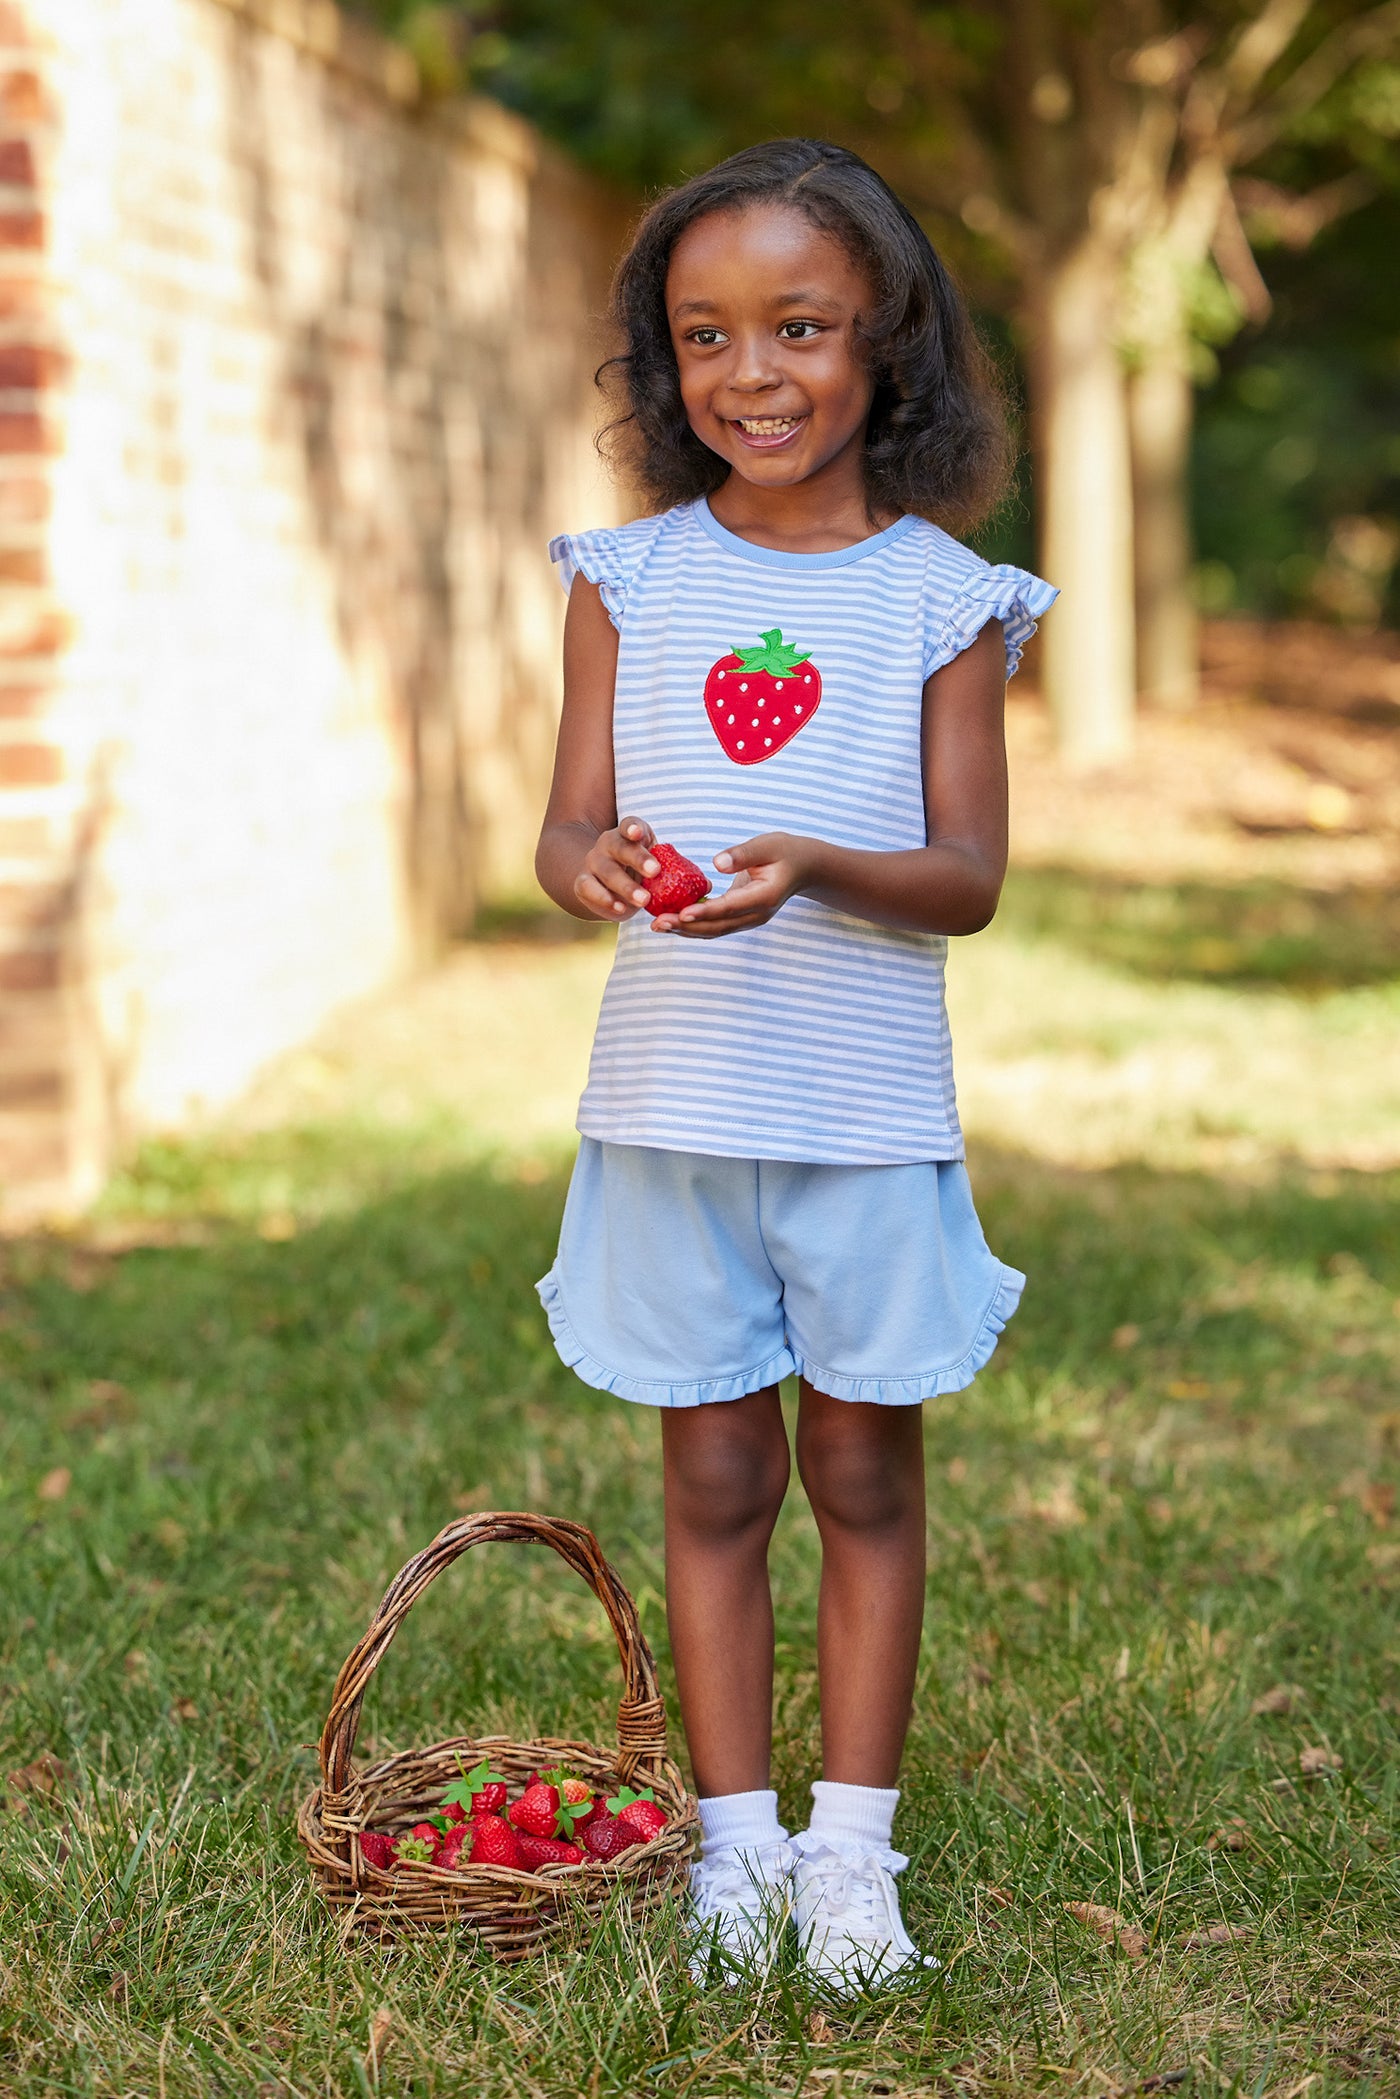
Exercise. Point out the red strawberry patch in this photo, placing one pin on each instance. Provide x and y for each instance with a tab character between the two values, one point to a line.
757	699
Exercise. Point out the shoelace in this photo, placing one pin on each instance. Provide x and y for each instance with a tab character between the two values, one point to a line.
746	1882
860	1886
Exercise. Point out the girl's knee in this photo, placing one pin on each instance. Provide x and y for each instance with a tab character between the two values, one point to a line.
857	1482
723	1484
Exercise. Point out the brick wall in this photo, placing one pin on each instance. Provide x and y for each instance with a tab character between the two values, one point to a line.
295	381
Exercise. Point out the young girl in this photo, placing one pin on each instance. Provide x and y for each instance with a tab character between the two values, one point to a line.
791	672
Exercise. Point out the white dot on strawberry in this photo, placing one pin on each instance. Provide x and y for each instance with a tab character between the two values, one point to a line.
742	686
731	717
767	743
806	681
740	745
777	721
798	708
754	723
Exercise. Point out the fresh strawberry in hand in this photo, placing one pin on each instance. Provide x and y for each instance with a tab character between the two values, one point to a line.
379	1848
495	1843
548	1851
679	883
606	1837
639	1811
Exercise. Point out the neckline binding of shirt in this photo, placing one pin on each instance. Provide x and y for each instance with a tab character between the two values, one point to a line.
779	557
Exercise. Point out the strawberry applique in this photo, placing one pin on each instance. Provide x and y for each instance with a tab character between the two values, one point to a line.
756	700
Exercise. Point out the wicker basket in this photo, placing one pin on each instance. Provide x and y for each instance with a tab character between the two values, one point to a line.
511	1911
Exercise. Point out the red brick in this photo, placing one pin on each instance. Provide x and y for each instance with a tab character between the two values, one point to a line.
25	499
37	906
34	969
24	98
30	765
41	630
23	432
32	1148
31	365
24	703
16	154
33	1089
23	564
22	229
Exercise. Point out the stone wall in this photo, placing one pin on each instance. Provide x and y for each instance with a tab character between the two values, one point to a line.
295	382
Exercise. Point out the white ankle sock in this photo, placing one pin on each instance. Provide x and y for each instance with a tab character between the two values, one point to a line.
853	1815
739	1820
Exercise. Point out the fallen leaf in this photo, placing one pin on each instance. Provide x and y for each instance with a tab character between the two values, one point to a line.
46	1776
135	1665
185	1709
1002	1897
819	2028
54	1485
1377	1499
979	1673
1215	1935
1115	1931
1125	1337
1313	1762
1281	1699
1233	1837
381	2035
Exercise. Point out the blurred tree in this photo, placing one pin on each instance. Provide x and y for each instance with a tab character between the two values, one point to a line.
1082	160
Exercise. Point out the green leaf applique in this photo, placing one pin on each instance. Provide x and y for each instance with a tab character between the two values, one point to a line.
773	655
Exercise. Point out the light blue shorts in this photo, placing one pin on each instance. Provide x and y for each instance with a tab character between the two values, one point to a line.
682	1279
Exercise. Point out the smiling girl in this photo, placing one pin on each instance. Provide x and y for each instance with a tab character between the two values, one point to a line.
791	670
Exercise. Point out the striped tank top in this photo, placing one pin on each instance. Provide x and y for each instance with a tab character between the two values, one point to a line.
767	691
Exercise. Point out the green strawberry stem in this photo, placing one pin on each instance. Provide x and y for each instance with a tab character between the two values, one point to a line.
624	1796
773	655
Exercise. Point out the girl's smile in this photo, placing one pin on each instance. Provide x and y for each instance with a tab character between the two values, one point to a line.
764	308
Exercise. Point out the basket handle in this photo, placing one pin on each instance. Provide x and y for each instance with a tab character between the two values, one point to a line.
641	1714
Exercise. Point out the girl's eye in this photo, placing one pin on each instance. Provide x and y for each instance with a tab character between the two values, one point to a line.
798	331
706	337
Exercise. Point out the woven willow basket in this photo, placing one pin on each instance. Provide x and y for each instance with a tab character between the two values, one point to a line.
512	1912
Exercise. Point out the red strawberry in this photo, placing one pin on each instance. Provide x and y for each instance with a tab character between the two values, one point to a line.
756	700
494	1843
420	1846
548	1851
379	1848
453	1811
638	1811
536	1812
452	1846
679	883
490	1798
480	1791
605	1835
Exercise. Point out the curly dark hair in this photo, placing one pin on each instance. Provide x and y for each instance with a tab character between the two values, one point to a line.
937	442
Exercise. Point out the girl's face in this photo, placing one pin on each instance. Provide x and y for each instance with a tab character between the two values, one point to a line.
763	308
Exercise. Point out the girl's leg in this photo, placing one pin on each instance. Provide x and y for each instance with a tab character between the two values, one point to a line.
726	1472
863	1469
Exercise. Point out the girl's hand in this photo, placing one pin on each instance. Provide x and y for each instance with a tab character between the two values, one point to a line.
608	884
767	871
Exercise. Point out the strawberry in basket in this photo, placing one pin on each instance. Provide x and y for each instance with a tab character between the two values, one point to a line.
480	1791
638	1812
379	1848
548	1851
420	1847
494	1843
541	1810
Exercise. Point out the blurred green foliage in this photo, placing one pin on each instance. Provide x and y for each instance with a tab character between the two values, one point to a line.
1297	456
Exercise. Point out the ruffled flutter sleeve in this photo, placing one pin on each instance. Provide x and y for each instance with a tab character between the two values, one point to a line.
610	558
1012	595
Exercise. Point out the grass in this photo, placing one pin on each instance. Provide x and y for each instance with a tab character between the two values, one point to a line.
1164	1565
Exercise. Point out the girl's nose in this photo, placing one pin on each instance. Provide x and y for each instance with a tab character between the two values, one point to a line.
754	369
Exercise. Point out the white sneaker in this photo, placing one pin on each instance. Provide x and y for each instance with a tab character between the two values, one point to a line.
740	1903
846	1910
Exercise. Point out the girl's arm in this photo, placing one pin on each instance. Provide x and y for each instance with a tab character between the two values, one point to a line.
950	885
586	861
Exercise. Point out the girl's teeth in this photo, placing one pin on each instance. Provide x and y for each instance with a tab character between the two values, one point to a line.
767	426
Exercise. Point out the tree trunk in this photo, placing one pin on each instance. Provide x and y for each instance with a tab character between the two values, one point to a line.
1080	417
1160	408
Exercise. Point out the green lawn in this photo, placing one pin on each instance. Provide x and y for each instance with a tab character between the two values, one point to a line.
1164	1555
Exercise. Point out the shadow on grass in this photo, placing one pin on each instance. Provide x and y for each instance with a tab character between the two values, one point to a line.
1254	935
